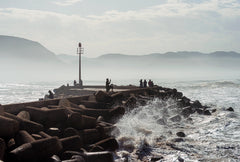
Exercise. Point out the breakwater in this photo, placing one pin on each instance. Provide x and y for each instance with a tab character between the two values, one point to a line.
79	127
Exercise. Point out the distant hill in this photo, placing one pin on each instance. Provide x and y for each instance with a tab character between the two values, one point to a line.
183	58
22	59
20	48
26	59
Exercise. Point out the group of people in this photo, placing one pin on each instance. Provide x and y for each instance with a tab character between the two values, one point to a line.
143	84
108	85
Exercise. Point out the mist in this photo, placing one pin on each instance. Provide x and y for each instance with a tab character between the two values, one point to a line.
29	61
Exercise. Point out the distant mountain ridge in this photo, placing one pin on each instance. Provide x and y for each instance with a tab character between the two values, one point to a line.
20	48
175	54
22	58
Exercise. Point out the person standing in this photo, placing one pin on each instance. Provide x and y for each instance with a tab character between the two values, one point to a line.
108	82
50	96
141	83
145	83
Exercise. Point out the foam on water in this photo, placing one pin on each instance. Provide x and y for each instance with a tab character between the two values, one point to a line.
209	138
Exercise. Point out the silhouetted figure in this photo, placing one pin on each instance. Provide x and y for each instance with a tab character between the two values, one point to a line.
144	83
108	82
141	83
51	96
74	83
150	83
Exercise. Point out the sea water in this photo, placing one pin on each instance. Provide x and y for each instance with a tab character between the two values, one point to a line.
208	138
148	131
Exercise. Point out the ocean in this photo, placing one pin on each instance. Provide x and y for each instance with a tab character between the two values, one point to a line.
208	138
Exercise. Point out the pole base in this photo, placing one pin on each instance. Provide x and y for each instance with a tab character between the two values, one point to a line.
80	83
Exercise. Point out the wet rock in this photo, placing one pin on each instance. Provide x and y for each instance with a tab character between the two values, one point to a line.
176	118
180	159
144	150
173	146
214	110
185	101
186	111
180	134
200	111
126	144
207	112
156	158
162	121
196	104
178	140
230	109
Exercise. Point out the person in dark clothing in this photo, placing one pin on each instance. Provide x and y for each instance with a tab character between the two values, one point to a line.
145	83
150	83
51	96
108	82
141	83
74	82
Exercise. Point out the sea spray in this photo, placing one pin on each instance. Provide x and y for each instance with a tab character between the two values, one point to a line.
143	127
149	131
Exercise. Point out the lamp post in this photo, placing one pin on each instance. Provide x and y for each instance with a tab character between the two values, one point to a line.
80	52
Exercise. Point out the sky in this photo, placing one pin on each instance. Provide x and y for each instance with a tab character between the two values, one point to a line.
134	27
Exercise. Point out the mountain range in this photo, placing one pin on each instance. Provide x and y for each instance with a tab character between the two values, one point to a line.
22	58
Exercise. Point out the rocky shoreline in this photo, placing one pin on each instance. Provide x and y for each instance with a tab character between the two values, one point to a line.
79	129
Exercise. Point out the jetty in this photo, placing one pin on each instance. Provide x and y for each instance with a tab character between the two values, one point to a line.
76	128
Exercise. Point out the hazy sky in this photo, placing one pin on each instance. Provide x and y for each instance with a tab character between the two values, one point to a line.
124	26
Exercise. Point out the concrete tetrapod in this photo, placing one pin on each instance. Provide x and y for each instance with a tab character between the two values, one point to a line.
107	114
88	136
2	148
29	126
78	121
47	117
8	127
101	156
36	150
